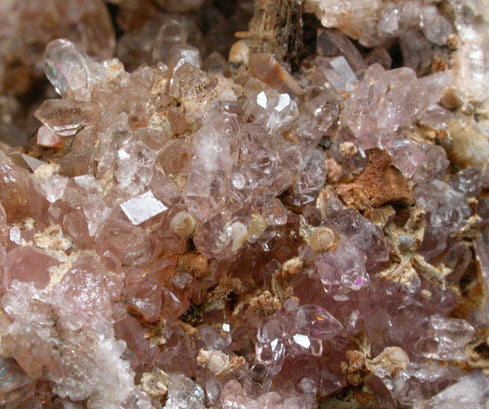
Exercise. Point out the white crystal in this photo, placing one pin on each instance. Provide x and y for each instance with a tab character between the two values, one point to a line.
261	99
15	235
302	340
134	167
95	210
389	22
142	208
274	343
238	233
283	102
333	13
272	109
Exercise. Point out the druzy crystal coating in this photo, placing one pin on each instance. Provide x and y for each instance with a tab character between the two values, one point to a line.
194	220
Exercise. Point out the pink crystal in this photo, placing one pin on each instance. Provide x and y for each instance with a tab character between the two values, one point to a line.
28	265
129	330
81	297
47	138
143	293
183	392
450	335
177	234
345	266
457	395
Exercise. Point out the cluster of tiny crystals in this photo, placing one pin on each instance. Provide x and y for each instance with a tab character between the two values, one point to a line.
190	231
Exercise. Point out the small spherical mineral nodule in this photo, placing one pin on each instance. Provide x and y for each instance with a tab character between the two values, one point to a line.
183	224
348	150
239	53
466	144
215	361
322	239
453	41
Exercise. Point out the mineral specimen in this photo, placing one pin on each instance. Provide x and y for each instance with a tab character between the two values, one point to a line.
302	225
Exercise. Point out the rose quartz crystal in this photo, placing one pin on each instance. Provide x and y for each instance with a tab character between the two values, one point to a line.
28	264
264	233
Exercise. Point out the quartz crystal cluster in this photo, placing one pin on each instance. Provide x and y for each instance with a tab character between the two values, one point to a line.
186	230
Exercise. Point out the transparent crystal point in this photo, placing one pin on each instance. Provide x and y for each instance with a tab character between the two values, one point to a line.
70	70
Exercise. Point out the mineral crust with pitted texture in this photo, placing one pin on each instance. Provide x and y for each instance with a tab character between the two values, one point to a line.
273	230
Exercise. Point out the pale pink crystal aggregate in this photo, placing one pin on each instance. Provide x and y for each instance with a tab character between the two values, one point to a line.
164	243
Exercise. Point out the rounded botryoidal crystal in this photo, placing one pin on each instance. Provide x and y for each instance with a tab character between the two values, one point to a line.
183	224
239	53
466	144
322	239
390	361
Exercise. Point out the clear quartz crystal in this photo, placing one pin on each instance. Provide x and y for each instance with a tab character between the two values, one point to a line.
273	110
53	187
70	70
95	210
215	63
317	322
470	392
170	34
342	69
184	393
332	43
66	117
181	54
134	167
450	335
